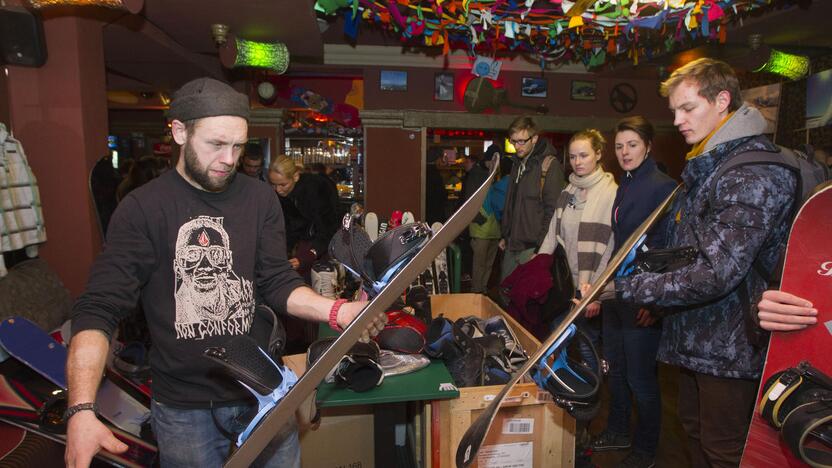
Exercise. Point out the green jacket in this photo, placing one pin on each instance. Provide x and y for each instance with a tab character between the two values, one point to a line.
490	229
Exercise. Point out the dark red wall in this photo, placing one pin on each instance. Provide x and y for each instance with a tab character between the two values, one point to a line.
420	86
393	166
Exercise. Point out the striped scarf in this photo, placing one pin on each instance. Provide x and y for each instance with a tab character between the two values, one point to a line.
595	228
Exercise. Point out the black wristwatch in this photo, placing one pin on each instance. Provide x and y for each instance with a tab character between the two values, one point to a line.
74	409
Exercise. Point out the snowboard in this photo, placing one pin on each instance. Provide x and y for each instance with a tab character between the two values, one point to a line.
32	346
475	435
807	273
371	225
285	409
440	265
20	405
408	218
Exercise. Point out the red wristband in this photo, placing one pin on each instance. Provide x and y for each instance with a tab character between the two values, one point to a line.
333	314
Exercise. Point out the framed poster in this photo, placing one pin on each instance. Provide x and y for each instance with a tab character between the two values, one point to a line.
533	87
583	90
393	80
443	86
767	100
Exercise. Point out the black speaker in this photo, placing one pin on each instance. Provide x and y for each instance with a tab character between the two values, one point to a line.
21	38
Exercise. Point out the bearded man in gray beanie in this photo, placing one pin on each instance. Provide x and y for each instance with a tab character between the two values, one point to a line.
198	246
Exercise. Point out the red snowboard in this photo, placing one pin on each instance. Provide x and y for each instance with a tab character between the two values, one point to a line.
807	273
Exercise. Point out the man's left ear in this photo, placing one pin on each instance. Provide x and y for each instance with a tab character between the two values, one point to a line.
179	132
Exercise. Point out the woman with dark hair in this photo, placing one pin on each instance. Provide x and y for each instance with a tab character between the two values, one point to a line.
631	334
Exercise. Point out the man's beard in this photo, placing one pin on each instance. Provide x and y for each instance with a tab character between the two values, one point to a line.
199	174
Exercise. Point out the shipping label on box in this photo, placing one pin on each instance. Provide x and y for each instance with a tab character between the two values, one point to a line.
516	455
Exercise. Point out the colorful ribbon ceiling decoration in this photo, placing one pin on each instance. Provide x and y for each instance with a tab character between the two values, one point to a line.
549	31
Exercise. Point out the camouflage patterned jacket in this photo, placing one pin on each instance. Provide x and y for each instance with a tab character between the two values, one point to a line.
705	329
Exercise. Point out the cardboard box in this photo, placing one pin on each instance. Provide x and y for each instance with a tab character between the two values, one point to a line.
529	431
344	437
343	440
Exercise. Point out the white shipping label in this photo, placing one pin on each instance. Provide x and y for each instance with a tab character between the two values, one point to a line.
517	455
518	426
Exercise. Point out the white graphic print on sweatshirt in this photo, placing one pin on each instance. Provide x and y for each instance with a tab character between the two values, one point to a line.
211	299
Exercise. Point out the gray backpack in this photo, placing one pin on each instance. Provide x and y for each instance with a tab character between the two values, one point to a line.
810	173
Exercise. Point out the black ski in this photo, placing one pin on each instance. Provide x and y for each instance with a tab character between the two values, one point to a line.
473	438
277	418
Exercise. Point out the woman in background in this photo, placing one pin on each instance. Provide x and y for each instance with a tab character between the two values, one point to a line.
581	224
631	334
310	208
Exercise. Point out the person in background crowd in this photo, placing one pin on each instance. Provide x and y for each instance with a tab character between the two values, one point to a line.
141	172
630	333
316	204
436	197
734	222
327	174
197	244
581	224
531	197
485	229
251	163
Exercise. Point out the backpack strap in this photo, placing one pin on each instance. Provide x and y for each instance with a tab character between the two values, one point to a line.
544	169
783	157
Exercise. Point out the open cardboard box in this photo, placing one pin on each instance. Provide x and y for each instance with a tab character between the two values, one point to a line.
529	431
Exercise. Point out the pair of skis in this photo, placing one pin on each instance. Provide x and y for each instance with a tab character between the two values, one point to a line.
376	227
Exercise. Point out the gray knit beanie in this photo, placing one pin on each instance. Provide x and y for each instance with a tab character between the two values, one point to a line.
207	97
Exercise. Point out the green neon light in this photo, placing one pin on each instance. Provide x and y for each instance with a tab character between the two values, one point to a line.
788	65
274	56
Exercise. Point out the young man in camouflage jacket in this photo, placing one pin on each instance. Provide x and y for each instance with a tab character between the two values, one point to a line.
732	221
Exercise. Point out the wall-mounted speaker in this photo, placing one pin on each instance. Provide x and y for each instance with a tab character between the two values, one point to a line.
21	38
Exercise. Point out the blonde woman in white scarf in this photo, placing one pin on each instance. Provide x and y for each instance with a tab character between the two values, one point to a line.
582	223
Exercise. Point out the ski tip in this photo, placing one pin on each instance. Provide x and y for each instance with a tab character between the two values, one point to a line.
464	456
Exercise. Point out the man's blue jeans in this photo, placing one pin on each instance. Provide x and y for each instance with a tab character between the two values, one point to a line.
630	351
190	438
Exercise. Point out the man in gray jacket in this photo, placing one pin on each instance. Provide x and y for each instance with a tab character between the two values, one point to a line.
531	197
734	222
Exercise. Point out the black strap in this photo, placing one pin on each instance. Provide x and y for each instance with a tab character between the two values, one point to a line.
810	420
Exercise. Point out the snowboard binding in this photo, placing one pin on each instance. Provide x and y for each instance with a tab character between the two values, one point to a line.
377	262
359	369
573	384
255	370
798	402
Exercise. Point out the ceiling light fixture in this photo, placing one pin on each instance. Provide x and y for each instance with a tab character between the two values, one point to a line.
791	66
220	33
242	53
133	6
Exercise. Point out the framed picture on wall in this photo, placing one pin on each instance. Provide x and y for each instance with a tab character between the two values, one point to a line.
583	90
393	80
443	87
533	87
